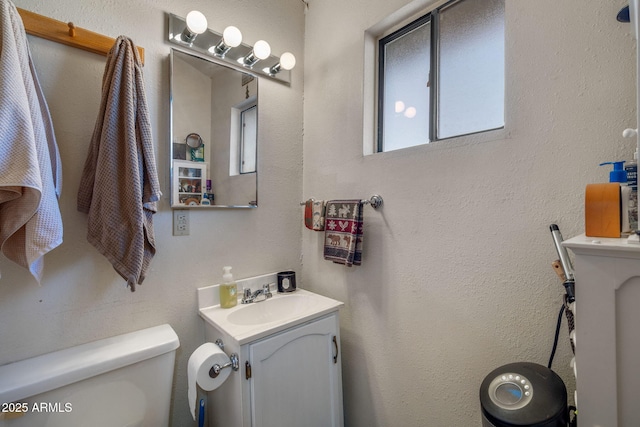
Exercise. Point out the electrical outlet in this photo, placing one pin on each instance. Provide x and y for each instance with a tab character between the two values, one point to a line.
180	222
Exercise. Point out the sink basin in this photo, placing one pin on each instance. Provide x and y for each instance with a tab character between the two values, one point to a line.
248	322
271	310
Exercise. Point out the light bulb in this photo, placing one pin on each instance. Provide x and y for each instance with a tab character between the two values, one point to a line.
261	49
232	36
287	61
196	22
410	112
399	106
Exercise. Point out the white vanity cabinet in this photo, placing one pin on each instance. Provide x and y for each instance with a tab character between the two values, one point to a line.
296	377
288	348
607	273
291	378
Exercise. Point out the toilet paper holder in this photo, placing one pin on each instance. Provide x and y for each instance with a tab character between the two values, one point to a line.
233	363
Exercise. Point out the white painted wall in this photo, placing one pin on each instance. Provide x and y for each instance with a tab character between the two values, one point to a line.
456	277
82	298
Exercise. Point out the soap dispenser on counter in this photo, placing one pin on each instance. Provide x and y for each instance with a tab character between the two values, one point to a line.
607	205
228	289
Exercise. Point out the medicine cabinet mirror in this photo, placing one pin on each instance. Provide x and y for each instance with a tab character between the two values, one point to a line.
214	133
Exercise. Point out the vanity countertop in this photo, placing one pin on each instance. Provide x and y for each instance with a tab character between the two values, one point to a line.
249	322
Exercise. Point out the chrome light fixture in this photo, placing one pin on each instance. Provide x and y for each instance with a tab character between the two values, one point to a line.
192	35
196	24
287	62
261	50
231	37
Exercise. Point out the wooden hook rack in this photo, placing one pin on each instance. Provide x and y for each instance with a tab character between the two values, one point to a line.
69	34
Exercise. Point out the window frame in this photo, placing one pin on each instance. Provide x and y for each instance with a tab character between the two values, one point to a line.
236	135
242	149
432	18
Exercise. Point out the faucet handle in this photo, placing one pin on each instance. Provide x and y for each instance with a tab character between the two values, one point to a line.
246	295
266	291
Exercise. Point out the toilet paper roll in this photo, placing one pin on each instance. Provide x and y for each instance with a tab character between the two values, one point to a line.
200	362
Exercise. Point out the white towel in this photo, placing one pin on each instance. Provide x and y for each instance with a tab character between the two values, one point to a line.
119	187
30	168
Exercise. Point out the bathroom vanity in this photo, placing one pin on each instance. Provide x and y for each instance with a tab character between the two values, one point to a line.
607	273
289	357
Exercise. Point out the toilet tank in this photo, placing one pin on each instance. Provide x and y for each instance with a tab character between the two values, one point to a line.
120	381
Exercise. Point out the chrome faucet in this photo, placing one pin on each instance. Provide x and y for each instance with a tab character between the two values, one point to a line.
248	297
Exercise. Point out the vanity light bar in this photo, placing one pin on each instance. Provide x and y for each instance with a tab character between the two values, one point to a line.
228	48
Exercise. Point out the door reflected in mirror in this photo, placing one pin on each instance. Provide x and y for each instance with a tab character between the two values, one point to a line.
214	125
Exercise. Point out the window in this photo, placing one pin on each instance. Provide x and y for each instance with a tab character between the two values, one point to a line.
442	75
243	137
249	124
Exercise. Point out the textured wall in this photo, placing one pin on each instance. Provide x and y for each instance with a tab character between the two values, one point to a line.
456	277
81	297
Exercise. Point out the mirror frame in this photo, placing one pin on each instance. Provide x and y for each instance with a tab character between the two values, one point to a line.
214	60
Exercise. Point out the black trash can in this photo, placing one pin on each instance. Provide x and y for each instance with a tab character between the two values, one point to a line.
523	394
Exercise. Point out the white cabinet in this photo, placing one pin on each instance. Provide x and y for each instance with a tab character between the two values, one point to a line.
189	183
296	378
292	378
607	273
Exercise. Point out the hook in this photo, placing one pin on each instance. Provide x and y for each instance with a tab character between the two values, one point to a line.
72	29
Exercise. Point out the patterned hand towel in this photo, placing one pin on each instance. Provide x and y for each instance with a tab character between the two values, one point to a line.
343	232
30	168
314	214
318	214
308	214
119	187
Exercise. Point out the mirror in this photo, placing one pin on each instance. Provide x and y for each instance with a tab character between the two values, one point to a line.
214	127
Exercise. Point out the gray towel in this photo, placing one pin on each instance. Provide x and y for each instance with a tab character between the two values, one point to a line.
119	186
30	168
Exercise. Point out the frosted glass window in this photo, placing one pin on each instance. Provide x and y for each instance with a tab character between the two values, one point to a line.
249	121
471	85
405	100
442	75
